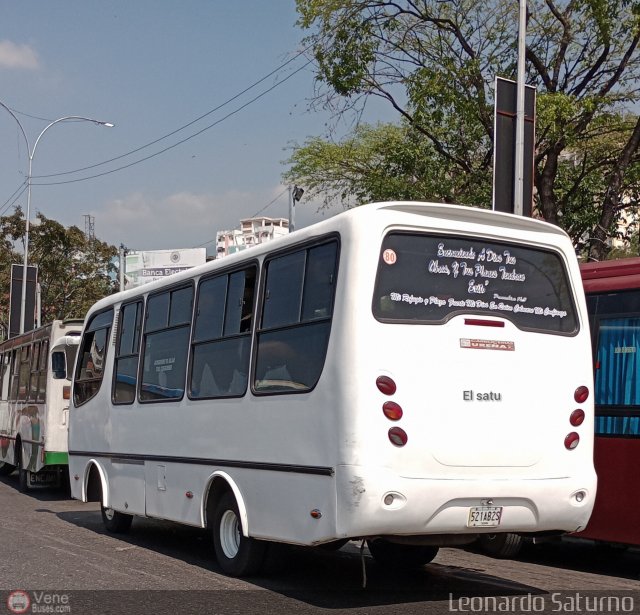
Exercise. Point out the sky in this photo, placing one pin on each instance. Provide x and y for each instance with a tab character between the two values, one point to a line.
151	67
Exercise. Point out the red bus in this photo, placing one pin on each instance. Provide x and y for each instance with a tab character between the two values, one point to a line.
612	289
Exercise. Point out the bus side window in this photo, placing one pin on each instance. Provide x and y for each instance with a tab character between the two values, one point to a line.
128	350
221	340
35	370
296	319
42	371
166	344
616	381
15	373
92	357
25	372
3	375
317	298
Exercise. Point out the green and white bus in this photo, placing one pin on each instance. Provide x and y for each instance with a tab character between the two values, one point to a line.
35	385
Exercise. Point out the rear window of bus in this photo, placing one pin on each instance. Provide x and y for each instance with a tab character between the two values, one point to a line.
431	278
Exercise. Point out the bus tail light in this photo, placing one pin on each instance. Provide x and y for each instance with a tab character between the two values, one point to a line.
481	322
581	394
398	436
66	392
386	385
577	417
571	441
392	410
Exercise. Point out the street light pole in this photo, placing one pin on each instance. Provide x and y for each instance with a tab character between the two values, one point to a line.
31	153
518	206
295	194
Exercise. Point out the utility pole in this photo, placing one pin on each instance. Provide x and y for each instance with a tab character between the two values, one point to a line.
90	227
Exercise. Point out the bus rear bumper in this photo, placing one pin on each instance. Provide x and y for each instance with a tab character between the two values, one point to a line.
380	503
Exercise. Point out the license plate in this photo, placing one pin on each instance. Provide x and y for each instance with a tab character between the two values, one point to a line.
43	478
484	516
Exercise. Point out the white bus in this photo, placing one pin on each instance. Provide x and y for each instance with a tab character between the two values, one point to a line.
35	388
411	374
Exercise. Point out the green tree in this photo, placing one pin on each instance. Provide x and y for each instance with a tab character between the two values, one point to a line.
377	163
73	271
435	63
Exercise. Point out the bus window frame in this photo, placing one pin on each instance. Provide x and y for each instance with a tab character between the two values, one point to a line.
139	324
596	317
168	327
108	327
34	376
250	334
306	246
452	314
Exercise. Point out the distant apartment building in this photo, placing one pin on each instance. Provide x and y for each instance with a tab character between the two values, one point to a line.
252	232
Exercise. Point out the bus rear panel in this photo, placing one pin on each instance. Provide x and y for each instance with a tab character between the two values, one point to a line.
476	355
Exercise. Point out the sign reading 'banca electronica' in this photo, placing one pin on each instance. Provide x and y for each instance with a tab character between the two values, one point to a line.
151	265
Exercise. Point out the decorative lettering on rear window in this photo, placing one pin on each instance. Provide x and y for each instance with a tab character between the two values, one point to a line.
429	278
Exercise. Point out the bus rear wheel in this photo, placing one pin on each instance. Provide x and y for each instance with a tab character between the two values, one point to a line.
501	546
400	556
237	554
114	521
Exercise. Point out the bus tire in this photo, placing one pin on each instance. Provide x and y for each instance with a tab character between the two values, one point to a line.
114	521
400	556
237	555
23	477
6	468
501	546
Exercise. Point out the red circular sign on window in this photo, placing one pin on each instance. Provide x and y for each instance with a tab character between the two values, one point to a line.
389	257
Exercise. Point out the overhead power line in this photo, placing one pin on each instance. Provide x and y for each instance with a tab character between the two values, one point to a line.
170	147
271	202
9	202
191	123
23	186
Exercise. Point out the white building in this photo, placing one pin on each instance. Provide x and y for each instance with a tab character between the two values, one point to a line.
252	232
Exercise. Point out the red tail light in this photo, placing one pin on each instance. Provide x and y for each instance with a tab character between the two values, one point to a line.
581	394
480	322
386	385
392	410
577	417
571	441
398	436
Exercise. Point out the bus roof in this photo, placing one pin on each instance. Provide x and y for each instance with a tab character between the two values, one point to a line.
444	216
617	274
464	213
44	331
